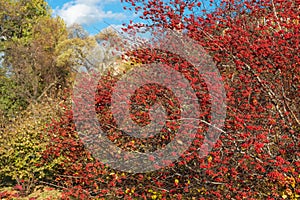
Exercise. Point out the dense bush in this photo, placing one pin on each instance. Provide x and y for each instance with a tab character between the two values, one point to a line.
22	142
229	169
256	157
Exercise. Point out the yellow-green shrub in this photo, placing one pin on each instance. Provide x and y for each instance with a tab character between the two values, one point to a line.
21	144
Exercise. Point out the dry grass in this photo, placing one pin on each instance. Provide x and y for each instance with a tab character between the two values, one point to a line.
40	193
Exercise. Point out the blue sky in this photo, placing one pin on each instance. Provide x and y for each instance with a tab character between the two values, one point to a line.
93	15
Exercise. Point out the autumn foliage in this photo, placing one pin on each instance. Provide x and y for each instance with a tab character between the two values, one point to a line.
255	45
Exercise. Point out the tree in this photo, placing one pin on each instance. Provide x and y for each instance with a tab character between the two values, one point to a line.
32	62
83	52
10	102
18	19
19	24
77	31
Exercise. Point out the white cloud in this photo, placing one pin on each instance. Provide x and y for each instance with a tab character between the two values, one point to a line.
94	2
86	12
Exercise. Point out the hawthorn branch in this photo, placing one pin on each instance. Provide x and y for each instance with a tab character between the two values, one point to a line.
286	104
215	183
51	184
207	123
269	91
275	14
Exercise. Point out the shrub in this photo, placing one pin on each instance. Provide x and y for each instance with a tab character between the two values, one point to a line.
257	156
22	142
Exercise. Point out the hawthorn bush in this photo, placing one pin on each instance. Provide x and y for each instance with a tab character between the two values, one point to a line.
83	176
256	48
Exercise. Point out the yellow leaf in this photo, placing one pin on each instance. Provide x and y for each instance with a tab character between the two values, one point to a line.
209	159
127	190
289	191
